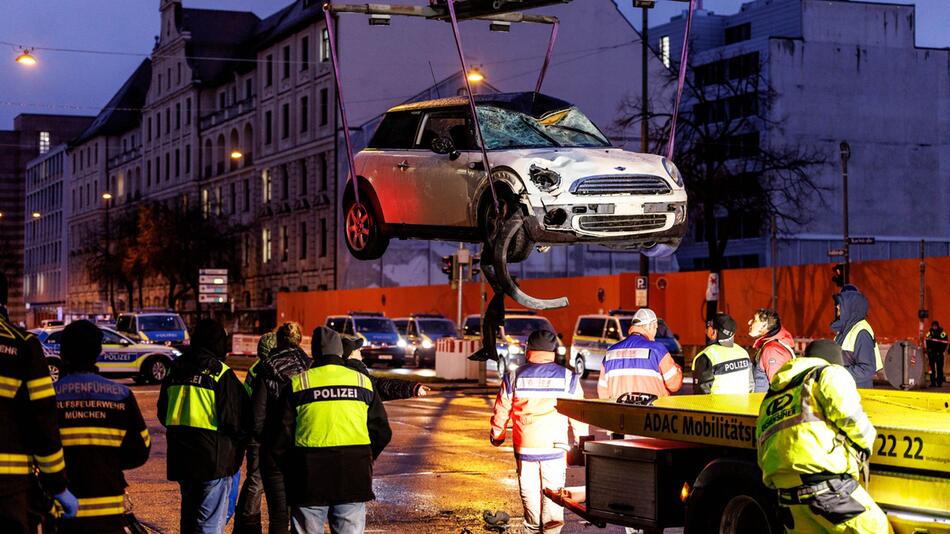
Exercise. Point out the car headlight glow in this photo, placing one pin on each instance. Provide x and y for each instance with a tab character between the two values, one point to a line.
562	350
427	343
176	353
514	349
402	343
512	366
673	172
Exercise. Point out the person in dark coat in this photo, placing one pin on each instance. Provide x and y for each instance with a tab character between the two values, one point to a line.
936	346
388	388
854	335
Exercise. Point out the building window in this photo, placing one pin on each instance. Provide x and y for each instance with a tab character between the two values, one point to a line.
187	159
265	245
738	33
323	238
168	167
304	53
178	73
285	121
324	45
148	174
158	170
324	172
285	183
222	100
248	88
304	178
324	106
168	78
268	127
286	62
232	198
205	203
44	142
177	115
284	243
177	163
665	50
168	120
265	186
304	114
269	71
159	84
247	195
158	124
188	111
246	249
302	239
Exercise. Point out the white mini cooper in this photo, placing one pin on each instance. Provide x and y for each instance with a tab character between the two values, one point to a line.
422	177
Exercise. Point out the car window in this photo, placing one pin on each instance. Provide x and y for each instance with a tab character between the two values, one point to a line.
472	326
396	130
614	330
453	124
590	327
438	328
401	325
413	329
625	323
110	338
335	323
124	323
161	323
525	326
365	324
503	128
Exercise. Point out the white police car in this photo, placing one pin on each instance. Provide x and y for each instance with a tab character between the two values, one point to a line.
121	357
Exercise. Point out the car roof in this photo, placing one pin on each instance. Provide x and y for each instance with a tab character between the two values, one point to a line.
528	103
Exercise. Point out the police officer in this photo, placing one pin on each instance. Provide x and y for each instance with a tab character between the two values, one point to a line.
206	411
862	357
29	434
527	399
936	346
813	442
102	430
334	427
639	363
723	366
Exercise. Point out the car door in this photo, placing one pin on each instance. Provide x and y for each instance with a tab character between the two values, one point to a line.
444	186
389	162
118	354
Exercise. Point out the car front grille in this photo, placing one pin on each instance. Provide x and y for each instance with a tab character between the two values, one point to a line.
621	223
621	185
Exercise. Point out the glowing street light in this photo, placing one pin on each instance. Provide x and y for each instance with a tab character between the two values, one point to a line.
107	196
475	75
26	58
36	215
236	154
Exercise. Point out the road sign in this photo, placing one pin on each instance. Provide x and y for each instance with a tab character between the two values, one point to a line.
212	289
836	252
642	291
210	279
861	240
213	272
205	298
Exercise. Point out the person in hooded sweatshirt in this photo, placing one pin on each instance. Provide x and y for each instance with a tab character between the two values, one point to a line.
853	333
773	346
206	411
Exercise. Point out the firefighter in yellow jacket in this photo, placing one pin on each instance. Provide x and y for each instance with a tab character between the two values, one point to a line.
813	441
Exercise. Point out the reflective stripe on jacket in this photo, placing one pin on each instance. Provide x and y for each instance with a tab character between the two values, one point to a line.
528	401
331	403
772	352
730	369
852	336
639	365
810	422
192	402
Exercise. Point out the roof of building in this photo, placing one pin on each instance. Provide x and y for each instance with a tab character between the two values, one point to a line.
529	103
122	112
225	36
288	20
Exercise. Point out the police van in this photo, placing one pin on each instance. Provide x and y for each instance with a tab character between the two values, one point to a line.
166	328
594	334
121	357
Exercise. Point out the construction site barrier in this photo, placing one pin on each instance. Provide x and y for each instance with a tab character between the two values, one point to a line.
451	358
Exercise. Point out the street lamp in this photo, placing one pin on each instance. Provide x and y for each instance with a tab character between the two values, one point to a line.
475	75
36	215
236	154
26	58
107	197
845	149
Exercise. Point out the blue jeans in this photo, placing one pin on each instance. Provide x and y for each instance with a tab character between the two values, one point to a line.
204	505
344	518
233	495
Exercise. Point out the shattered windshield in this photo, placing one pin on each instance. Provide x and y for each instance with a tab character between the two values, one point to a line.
562	128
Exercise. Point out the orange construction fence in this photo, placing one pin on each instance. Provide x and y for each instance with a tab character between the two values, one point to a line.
804	298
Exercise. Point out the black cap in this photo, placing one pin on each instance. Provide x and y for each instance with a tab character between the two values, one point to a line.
81	345
725	326
210	335
543	340
350	344
826	350
327	341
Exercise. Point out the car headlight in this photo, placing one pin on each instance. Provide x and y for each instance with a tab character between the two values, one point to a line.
514	349
427	343
562	350
512	366
673	172
402	343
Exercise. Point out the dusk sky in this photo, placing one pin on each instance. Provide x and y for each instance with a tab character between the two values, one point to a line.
80	83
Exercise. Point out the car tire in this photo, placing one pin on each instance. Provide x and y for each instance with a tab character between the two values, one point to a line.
55	368
733	509
660	250
363	227
521	246
154	370
580	367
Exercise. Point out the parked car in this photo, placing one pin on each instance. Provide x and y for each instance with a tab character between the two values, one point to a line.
594	334
50	323
381	341
153	327
514	335
421	331
121	356
422	176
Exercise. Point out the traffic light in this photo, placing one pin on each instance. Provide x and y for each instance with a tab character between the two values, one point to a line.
839	275
475	268
448	267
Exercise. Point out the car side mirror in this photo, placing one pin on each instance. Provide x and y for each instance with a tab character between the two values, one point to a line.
444	145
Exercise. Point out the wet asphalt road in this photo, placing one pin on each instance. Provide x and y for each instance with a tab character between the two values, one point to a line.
436	476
